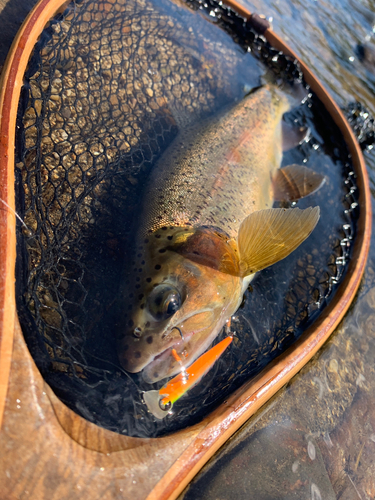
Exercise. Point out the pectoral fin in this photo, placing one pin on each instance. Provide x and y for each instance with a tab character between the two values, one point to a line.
267	236
294	182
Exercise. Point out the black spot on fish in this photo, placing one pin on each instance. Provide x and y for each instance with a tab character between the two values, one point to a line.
138	278
148	280
157	235
164	228
142	306
143	262
140	297
158	266
162	250
140	270
147	324
137	286
146	240
149	340
137	354
156	375
139	255
170	237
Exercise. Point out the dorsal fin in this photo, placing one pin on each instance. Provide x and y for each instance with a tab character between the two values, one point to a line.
267	236
294	182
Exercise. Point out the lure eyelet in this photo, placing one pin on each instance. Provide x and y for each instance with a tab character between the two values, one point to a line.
165	407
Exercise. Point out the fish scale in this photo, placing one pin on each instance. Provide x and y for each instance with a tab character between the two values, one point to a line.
221	177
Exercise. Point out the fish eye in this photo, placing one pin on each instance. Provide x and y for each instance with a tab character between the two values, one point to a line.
164	301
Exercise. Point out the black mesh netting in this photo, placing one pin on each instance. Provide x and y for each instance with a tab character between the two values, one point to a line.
109	85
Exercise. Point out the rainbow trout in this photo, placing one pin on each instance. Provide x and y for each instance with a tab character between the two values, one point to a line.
207	227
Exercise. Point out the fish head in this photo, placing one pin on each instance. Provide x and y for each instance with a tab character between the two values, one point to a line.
188	287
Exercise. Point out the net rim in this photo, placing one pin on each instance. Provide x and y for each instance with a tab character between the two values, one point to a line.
218	426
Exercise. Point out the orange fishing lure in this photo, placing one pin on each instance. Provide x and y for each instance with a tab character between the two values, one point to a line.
160	402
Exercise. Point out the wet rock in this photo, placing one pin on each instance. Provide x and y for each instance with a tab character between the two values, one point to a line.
349	451
259	23
281	461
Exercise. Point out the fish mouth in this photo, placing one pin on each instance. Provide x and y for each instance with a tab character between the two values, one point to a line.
151	371
148	371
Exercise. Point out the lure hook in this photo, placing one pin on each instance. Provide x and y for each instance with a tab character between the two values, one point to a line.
179	331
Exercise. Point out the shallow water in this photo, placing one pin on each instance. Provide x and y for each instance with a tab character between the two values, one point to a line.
316	438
